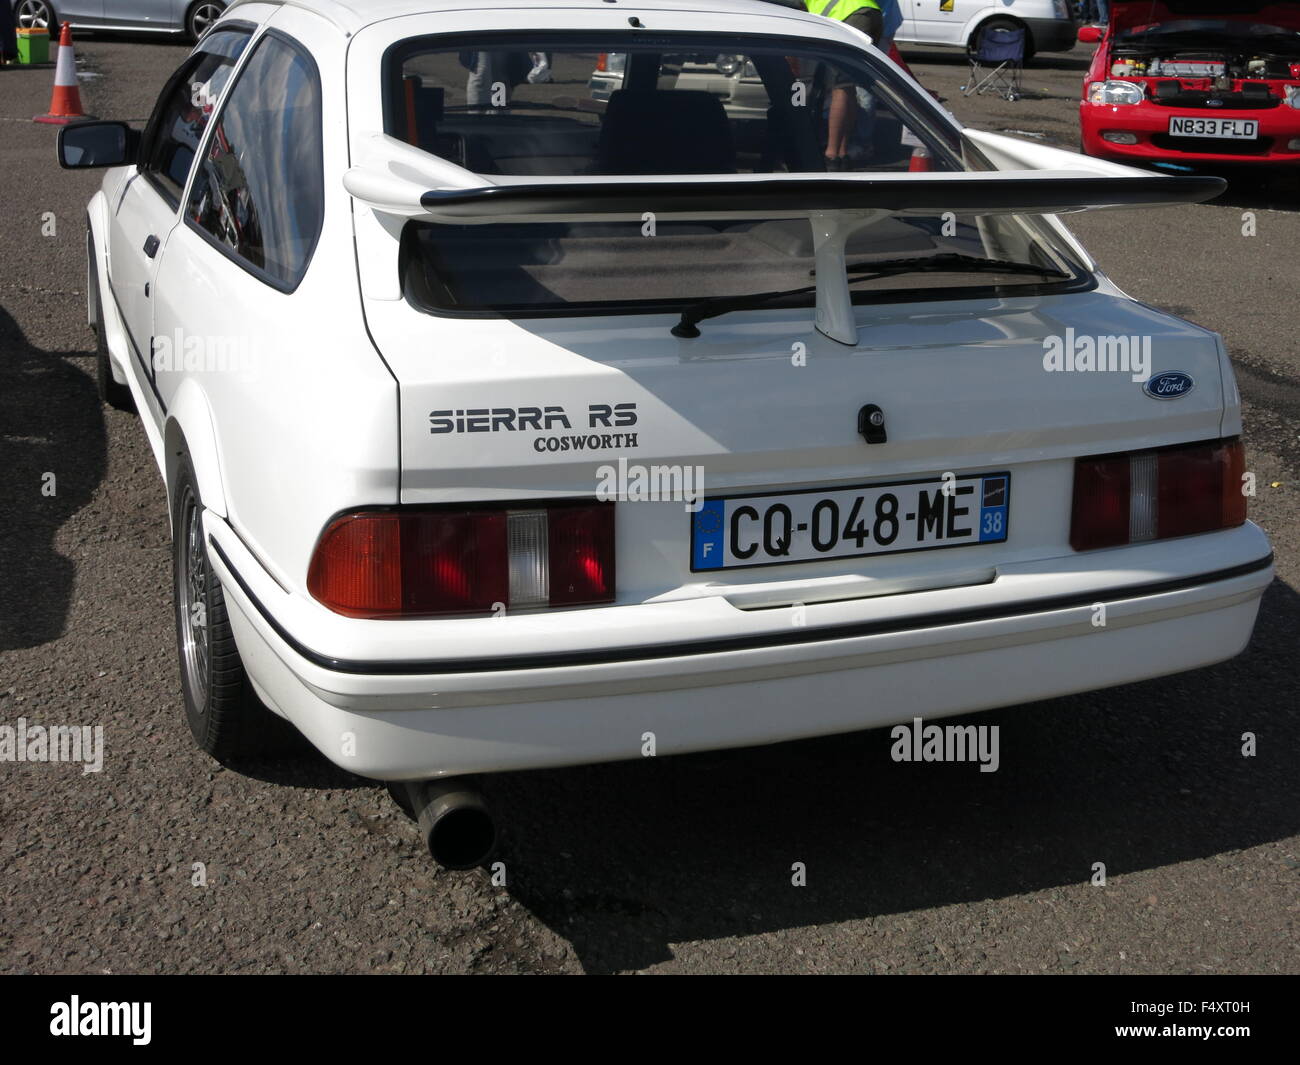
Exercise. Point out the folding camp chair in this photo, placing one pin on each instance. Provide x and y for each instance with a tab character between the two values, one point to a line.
996	63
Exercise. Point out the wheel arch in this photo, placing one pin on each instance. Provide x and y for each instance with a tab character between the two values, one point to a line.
189	431
979	21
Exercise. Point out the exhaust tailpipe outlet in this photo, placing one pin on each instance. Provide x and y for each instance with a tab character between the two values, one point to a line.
454	821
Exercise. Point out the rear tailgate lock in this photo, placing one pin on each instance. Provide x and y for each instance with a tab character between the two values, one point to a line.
871	424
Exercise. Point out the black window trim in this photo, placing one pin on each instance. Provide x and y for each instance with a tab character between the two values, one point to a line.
148	133
250	268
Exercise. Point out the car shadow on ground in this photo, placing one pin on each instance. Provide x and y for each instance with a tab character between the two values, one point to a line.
626	860
50	424
302	767
1272	190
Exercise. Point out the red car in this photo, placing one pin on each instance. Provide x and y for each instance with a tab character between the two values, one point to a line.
1195	82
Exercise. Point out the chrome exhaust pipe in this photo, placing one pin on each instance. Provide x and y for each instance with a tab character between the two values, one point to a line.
454	821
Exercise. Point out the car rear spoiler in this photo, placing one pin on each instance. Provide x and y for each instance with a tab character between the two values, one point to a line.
413	184
994	192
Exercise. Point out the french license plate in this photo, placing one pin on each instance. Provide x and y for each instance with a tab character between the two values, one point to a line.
1234	129
737	532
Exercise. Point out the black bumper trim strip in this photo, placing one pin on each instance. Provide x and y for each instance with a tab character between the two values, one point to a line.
607	655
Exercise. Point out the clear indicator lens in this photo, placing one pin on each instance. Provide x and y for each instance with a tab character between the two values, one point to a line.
1143	500
527	549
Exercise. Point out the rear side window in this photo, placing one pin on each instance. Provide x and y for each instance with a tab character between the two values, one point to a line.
172	137
259	191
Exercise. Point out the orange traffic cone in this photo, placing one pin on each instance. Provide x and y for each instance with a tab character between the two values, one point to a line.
65	103
920	160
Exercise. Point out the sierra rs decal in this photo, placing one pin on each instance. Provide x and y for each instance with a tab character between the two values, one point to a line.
517	419
543	419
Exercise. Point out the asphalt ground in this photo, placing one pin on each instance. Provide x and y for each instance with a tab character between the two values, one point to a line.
662	865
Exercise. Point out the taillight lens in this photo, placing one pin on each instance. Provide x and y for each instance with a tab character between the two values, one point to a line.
581	554
425	563
1153	495
1101	503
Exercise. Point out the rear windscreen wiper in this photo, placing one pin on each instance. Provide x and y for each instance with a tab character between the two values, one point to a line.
716	305
950	262
947	262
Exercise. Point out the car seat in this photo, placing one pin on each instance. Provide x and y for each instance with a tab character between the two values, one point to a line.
665	131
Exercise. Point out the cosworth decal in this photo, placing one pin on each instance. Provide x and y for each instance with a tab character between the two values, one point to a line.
543	419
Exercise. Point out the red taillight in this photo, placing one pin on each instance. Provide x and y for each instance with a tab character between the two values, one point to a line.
1201	489
1153	495
581	555
1101	503
602	61
425	563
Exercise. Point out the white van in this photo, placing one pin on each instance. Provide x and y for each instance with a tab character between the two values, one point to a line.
1049	24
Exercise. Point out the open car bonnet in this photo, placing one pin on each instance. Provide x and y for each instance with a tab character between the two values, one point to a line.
1129	14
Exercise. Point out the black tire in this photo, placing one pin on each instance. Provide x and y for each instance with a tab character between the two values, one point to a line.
998	22
225	716
115	395
200	16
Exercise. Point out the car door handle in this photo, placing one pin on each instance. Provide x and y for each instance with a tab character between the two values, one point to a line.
151	245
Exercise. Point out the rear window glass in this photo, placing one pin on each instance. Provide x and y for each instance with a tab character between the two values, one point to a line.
523	268
540	107
519	106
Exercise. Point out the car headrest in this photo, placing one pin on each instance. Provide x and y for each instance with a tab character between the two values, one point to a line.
666	131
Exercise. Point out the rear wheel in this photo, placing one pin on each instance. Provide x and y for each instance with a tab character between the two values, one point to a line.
226	717
201	16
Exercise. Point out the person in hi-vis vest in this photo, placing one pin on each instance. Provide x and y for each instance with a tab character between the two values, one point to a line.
864	15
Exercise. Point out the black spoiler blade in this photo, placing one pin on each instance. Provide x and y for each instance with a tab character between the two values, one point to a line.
995	192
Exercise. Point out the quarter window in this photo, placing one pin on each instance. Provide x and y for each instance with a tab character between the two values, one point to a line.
184	109
259	190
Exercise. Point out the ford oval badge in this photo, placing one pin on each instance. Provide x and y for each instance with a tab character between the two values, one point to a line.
1172	384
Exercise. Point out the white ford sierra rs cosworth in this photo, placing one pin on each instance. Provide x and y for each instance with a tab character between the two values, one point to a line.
507	419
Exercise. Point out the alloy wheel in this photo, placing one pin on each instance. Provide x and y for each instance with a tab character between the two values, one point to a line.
33	14
192	601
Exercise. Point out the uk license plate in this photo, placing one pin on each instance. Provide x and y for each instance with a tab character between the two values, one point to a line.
736	532
1235	129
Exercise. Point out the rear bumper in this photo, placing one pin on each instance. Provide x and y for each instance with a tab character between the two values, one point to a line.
837	667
